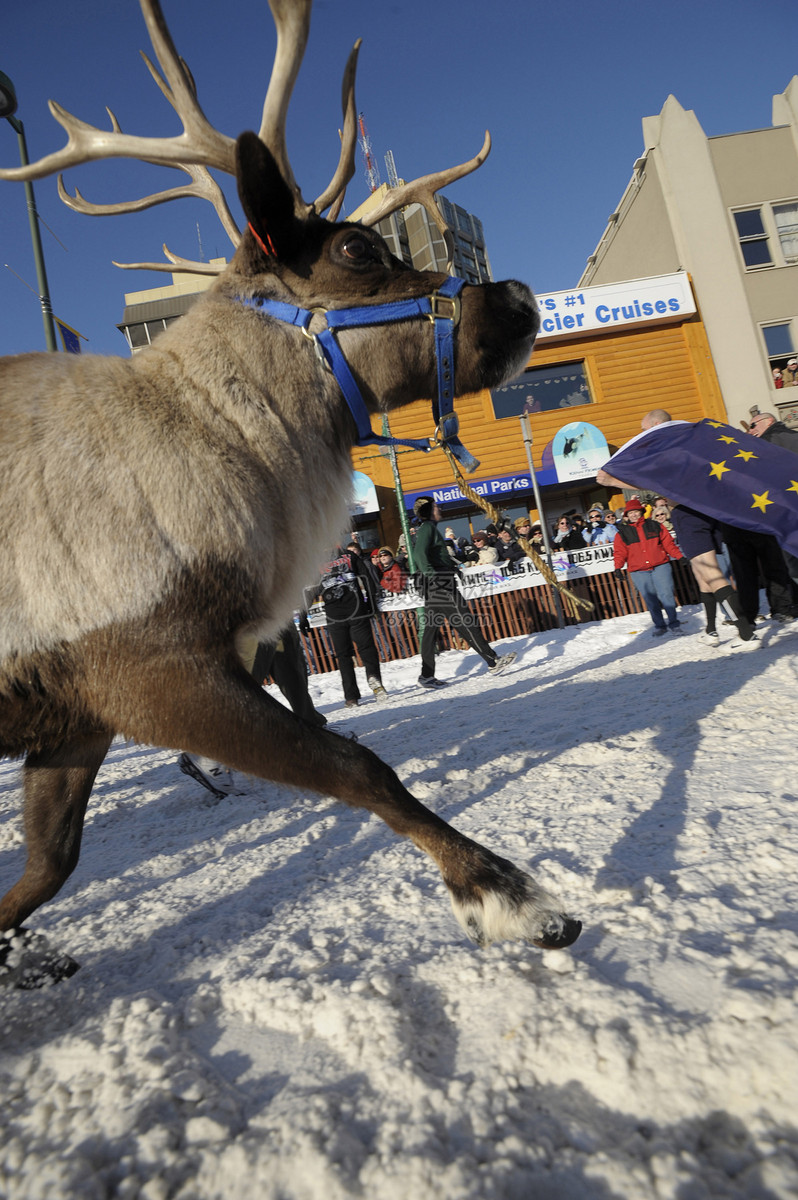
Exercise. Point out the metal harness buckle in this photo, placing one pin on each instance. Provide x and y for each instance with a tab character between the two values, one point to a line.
312	337
448	426
438	308
318	311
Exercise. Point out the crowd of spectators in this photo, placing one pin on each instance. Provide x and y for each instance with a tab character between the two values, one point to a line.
501	547
500	544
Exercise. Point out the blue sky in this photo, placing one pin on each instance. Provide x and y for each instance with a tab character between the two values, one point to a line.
562	87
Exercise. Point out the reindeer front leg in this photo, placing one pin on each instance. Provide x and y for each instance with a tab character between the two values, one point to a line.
216	709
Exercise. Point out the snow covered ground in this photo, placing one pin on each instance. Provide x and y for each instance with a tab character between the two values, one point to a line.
275	1000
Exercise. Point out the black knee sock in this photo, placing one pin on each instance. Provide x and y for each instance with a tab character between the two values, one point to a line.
744	626
710	609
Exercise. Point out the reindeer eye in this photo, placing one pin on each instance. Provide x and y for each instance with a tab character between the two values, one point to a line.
358	248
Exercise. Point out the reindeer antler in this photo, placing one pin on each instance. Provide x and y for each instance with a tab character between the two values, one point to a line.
423	191
203	187
175	265
198	143
334	192
200	146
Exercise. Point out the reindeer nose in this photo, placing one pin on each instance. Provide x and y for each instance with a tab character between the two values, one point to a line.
521	312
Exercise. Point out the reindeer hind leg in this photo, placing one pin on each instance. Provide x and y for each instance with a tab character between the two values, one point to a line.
57	786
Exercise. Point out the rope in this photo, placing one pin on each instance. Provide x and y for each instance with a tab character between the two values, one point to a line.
573	603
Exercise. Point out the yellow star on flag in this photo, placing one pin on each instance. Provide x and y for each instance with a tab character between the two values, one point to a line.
715	424
761	502
793	486
746	454
718	469
725	438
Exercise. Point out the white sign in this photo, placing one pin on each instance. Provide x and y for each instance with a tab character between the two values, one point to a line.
571	564
577	450
364	495
615	305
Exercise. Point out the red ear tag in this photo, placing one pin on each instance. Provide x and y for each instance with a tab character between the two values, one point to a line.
269	249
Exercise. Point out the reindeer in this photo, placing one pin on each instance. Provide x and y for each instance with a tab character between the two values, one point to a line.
147	501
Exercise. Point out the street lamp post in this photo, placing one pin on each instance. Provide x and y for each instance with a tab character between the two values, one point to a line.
8	106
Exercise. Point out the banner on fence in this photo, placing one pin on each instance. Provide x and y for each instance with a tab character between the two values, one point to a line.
476	582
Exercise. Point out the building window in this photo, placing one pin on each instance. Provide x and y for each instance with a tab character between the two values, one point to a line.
786	218
542	389
781	351
768	235
753	238
137	336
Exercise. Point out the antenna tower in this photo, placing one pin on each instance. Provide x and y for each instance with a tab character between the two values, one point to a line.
364	141
390	166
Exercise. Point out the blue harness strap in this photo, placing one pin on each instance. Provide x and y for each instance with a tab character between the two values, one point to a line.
442	308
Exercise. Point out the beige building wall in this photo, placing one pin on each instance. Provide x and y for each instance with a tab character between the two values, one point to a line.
677	214
642	216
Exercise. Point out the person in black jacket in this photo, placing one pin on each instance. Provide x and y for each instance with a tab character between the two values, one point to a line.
565	536
347	593
443	600
767	427
509	549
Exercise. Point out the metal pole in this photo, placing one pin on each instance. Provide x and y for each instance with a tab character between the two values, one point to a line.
400	496
526	432
400	499
38	253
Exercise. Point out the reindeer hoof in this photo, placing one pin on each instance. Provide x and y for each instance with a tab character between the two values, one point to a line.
28	962
563	935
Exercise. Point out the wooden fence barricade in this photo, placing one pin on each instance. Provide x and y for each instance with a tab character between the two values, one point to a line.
506	614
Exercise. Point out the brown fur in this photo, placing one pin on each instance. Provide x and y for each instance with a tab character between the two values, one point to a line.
159	508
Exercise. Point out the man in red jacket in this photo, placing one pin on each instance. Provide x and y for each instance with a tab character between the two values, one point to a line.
645	548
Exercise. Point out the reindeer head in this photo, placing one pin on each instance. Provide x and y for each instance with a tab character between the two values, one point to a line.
289	252
327	266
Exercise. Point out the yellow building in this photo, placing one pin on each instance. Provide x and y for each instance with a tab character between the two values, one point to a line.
604	357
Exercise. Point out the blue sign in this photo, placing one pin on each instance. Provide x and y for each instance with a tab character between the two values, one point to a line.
501	487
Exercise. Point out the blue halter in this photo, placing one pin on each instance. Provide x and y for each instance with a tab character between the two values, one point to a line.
441	307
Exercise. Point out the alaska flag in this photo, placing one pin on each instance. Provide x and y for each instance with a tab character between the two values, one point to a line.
730	475
70	337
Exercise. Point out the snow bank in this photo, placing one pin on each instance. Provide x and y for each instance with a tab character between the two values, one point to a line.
275	1000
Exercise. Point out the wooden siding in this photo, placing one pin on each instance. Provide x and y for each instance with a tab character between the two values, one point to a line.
629	372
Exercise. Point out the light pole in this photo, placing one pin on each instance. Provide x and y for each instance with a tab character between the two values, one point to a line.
8	106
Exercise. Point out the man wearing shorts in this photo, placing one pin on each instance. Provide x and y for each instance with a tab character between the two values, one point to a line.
699	541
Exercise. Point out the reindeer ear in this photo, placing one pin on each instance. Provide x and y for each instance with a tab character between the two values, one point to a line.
267	200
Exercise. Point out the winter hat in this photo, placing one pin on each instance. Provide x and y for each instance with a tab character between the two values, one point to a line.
596	508
449	532
635	502
385	550
480	536
519	521
423	507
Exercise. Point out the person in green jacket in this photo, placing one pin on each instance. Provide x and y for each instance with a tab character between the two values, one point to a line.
443	600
